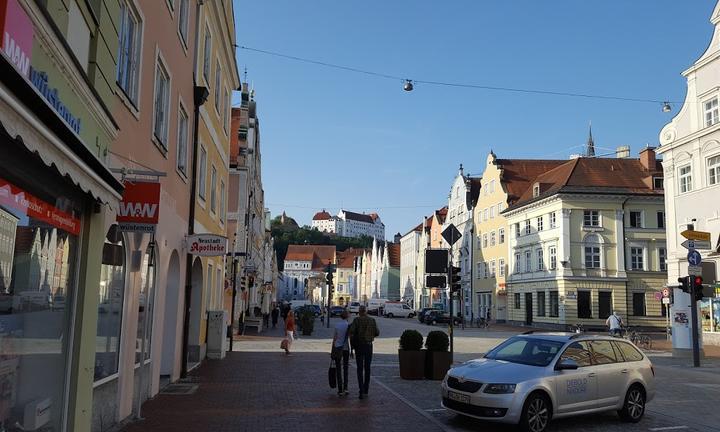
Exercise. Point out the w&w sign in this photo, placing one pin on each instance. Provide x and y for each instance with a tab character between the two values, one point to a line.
140	207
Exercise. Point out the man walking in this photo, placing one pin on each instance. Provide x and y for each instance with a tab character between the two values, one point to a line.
363	332
274	314
615	323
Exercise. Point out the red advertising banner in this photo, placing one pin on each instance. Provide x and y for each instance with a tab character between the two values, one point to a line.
140	203
13	197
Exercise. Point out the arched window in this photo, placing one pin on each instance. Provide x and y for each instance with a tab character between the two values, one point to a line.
592	251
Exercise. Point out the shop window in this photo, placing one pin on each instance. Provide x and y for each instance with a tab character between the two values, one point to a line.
146	305
583	304
541	303
554	304
638	300
111	295
39	229
604	304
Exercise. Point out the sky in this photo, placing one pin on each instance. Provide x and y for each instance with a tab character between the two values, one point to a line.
336	139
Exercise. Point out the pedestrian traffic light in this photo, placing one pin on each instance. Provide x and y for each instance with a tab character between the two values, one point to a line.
329	278
698	284
454	279
684	285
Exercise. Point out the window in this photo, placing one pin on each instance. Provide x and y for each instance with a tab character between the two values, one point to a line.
478	270
492	268
213	187
501	235
580	353
554	304
485	240
485	214
129	51
206	55
202	180
228	110
517	229
592	257
540	223
553	257
110	303
162	102
541	303
492	238
528	261
636	258
583	304
222	201
712	115
638	299
527	227
517	300
661	219
499	208
604	352
713	170
552	220
536	190
486	270
636	219
685	179
182	150
540	261
218	76
658	183
604	304
145	305
183	20
501	267
662	257
78	35
591	218
492	212
517	263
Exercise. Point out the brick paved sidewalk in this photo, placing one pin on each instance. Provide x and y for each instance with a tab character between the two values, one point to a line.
268	391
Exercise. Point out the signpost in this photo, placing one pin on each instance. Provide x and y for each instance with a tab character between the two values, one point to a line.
696	244
696	235
451	235
694	258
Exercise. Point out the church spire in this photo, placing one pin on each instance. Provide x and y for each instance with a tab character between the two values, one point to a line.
590	151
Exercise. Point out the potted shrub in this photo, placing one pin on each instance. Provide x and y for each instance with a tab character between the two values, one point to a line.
437	356
411	355
307	320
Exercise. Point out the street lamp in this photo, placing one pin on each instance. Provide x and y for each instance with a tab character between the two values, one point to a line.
408	86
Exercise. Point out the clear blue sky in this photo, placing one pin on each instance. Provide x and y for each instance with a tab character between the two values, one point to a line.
332	138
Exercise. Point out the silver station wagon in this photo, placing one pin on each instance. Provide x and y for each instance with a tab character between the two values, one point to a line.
534	377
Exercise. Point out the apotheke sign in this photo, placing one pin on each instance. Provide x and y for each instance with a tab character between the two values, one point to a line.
207	245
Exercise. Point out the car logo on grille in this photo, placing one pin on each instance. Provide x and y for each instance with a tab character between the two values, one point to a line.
461	379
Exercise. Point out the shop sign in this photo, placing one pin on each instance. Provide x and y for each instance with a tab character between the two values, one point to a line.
12	197
139	210
571	295
207	245
39	79
16	32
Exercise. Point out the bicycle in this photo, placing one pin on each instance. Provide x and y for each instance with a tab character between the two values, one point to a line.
639	339
482	322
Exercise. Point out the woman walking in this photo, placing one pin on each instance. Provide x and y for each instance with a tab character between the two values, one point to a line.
341	353
289	331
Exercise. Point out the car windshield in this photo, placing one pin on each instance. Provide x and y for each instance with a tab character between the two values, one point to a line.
529	351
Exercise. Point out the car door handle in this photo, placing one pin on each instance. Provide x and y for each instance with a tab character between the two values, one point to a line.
591	375
624	371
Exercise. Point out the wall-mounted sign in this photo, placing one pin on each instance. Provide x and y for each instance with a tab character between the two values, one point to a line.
207	245
571	295
16	33
139	209
40	80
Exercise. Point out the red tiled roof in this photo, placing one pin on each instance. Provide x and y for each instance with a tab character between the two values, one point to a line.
394	254
323	215
518	173
441	214
315	253
594	175
347	257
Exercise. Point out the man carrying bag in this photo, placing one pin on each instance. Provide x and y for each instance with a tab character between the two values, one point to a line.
340	354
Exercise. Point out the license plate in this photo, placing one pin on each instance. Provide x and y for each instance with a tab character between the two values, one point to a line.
458	397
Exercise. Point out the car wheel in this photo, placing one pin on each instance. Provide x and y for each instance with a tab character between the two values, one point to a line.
535	414
634	407
390	315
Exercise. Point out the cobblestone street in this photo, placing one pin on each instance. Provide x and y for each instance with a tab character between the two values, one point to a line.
258	388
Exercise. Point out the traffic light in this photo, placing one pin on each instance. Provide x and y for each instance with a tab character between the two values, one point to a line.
684	285
329	278
698	282
454	279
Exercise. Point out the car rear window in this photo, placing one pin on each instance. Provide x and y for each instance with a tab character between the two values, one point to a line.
628	351
529	351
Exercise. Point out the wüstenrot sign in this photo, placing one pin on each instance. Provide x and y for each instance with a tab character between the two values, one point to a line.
207	245
139	209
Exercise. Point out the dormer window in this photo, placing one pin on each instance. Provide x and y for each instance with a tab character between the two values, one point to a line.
536	190
658	183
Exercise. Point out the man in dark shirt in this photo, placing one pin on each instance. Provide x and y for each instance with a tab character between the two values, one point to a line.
363	332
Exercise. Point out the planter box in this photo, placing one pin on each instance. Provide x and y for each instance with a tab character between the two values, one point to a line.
412	364
307	331
437	363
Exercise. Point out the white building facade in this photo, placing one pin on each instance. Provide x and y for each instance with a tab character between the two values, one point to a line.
690	146
409	254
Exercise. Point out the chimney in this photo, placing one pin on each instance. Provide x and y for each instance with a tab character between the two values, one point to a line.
622	152
397	238
647	158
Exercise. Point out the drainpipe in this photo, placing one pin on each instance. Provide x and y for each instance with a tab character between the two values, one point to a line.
200	95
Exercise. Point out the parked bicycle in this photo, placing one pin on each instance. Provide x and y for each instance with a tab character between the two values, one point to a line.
577	328
482	323
641	340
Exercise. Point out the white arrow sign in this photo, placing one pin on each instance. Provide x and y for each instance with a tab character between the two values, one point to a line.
696	244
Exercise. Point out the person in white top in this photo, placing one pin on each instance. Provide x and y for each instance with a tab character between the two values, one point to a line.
615	323
341	353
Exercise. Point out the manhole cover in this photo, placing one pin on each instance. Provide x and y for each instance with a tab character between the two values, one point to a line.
180	389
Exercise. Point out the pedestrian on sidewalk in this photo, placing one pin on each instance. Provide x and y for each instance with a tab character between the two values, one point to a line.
363	332
615	323
289	331
341	353
275	313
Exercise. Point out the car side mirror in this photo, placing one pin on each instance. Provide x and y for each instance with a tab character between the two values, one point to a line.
566	364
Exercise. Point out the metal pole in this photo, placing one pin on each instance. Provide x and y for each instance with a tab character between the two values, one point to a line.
694	317
234	296
452	317
327	311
